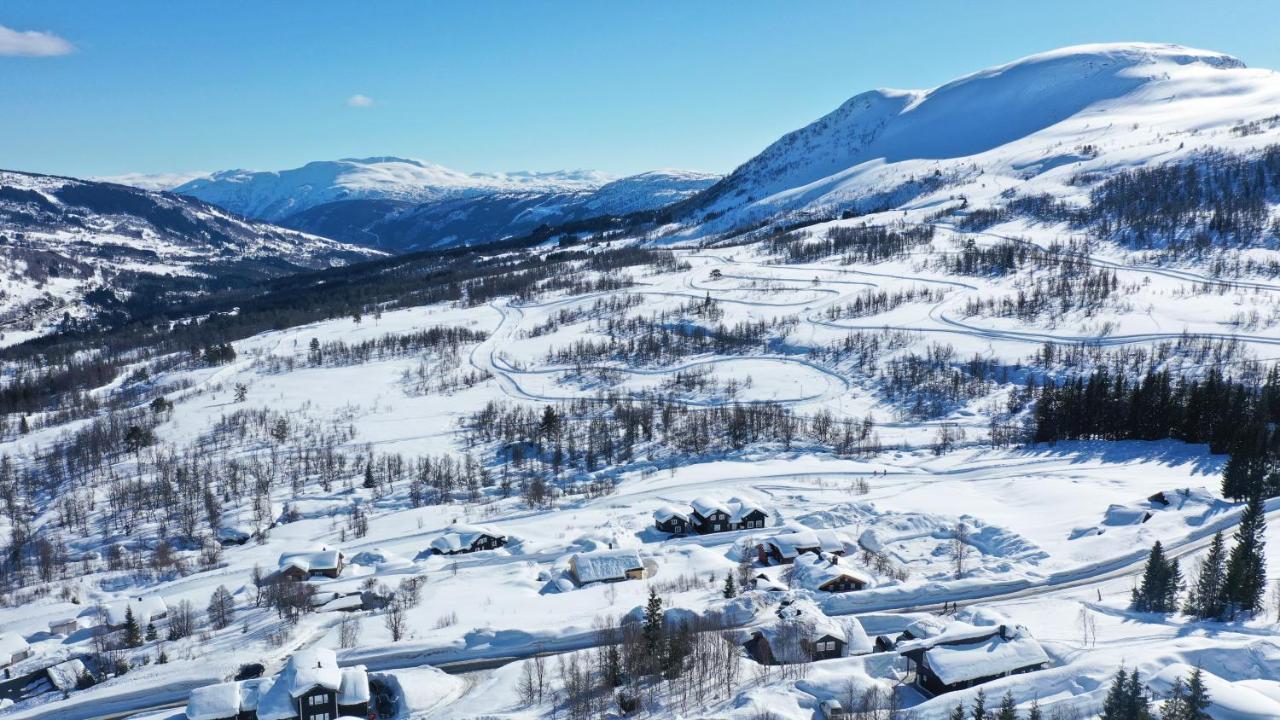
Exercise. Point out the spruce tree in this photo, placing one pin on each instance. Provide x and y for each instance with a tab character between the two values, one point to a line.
1008	708
132	631
653	624
1197	703
1161	581
1246	578
1206	601
979	711
1033	712
729	590
1135	700
1113	707
1175	706
957	713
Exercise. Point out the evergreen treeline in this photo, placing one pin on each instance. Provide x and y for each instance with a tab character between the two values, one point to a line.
855	244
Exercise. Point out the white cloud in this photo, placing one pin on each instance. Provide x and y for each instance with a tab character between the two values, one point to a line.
32	43
359	101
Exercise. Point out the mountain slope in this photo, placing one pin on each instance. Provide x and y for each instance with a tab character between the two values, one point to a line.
1031	126
271	195
83	248
475	217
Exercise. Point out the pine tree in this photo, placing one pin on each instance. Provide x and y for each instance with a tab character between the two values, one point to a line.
1161	581
132	631
653	624
957	713
1033	713
152	633
1206	600
1197	697
369	482
979	711
1008	708
729	590
1113	707
1175	706
1246	577
1135	702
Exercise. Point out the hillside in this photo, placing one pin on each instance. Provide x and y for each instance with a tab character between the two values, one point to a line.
75	249
1038	125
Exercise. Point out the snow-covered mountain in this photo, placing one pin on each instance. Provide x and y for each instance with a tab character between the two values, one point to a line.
1031	126
79	247
275	195
400	204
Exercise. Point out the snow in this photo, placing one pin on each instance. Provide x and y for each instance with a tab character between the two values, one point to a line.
145	609
605	565
355	686
957	662
11	644
790	545
312	560
214	702
462	537
1228	700
812	571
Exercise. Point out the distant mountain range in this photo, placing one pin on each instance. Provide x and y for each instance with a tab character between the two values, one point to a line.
399	204
72	249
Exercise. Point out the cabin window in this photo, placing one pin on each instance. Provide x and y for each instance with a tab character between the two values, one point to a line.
826	646
316	700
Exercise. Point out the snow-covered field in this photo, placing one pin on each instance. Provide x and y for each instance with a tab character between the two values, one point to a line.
1051	537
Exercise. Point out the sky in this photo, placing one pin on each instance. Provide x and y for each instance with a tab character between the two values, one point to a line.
91	88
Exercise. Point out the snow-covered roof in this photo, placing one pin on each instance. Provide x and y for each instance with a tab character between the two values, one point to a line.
957	662
813	571
666	512
214	702
251	690
11	644
312	560
461	537
306	670
66	674
802	621
740	508
790	545
145	609
605	565
704	506
355	686
342	602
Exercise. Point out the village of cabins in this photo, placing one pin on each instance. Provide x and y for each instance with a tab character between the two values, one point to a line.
934	655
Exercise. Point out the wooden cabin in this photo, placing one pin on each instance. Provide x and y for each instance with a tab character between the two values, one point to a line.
607	566
803	634
786	547
300	566
965	655
670	520
460	539
825	573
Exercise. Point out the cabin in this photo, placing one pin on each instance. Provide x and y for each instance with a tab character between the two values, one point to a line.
712	516
467	539
965	655
670	520
825	573
353	692
786	547
746	515
146	610
606	566
69	626
300	566
311	687
833	710
709	516
13	649
803	633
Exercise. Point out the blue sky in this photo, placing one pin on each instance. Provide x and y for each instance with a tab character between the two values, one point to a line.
164	86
